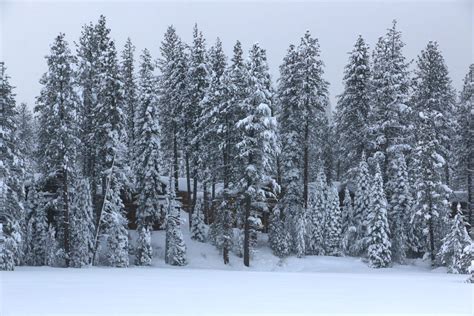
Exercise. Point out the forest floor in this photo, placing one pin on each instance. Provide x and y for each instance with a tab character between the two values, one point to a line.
307	286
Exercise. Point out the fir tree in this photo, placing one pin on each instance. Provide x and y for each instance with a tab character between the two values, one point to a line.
353	107
432	99
257	142
454	245
349	227
8	248
129	92
175	250
82	225
361	208
388	119
378	231
198	228
172	82
38	227
399	206
278	235
144	250
148	161
224	226
318	208
11	173
197	84
333	224
115	224
58	132
300	225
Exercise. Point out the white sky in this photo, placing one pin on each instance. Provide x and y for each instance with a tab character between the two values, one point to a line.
27	28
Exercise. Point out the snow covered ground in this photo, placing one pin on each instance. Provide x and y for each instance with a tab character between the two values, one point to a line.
313	285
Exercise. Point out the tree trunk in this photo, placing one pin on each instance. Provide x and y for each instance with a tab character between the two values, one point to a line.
175	161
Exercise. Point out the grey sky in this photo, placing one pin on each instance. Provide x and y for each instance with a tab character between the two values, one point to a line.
27	29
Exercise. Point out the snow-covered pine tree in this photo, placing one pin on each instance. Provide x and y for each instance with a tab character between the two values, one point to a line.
82	225
454	244
333	224
348	224
224	226
58	133
352	109
316	214
378	230
54	253
198	228
389	120
209	159
11	171
144	250
8	247
279	236
26	135
257	143
115	224
175	249
235	83
290	134
361	209
129	92
432	100
300	226
464	146
38	227
148	162
400	206
171	84
197	83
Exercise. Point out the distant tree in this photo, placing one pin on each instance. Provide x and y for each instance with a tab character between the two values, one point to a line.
82	225
333	224
198	228
278	235
317	212
454	246
144	250
361	208
378	231
175	250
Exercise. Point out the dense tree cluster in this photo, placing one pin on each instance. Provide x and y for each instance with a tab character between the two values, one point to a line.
243	155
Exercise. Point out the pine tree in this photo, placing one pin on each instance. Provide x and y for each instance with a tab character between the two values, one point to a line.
334	224
432	100
389	118
317	212
378	231
82	225
58	132
353	107
129	92
224	226
198	228
8	248
115	224
144	250
464	147
300	225
26	135
172	82
348	224
148	161
278	235
399	206
175	250
454	245
257	142
361	209
38	227
197	83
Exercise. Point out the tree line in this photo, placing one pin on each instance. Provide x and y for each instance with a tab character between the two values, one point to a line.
373	179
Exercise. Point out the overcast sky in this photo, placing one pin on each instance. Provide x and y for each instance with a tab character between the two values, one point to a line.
27	28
